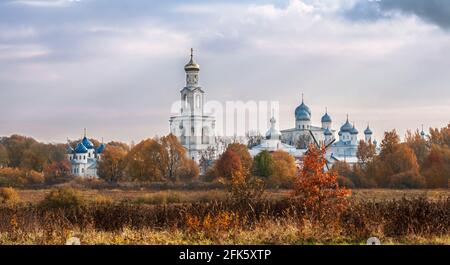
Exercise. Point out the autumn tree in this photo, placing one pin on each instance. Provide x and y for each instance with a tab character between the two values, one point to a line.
112	164
284	169
229	166
263	164
144	161
436	167
159	160
189	170
174	157
16	145
318	190
418	144
4	160
125	147
57	170
440	136
366	152
246	159
35	157
389	144
244	189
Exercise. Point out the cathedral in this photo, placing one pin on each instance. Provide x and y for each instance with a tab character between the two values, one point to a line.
191	126
84	157
342	149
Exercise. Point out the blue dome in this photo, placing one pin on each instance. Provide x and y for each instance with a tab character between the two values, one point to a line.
100	149
327	132
340	133
326	118
302	115
88	144
367	130
347	127
354	130
80	148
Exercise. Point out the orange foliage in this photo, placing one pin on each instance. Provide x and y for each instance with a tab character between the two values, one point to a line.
229	166
318	191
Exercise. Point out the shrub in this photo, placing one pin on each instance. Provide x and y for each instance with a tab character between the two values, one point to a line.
62	198
16	177
8	195
318	191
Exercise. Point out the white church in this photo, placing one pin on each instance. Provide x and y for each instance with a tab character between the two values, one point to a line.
191	126
84	157
195	130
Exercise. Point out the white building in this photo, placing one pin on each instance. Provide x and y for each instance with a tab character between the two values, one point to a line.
300	136
194	130
344	149
84	157
272	142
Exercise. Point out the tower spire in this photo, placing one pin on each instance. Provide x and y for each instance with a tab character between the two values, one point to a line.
302	97
192	54
84	132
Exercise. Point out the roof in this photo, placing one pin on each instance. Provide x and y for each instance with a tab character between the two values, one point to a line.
87	143
80	148
354	130
326	118
346	127
100	149
192	65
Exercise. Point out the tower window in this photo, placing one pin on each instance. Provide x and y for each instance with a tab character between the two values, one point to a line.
198	101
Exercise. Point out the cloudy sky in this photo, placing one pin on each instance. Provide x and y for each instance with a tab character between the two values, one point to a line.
116	66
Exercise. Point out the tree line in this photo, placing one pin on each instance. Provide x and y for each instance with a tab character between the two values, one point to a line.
417	162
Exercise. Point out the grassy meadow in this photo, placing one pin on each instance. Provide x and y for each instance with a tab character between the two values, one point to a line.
145	216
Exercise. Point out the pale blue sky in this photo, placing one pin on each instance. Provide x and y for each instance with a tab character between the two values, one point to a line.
116	66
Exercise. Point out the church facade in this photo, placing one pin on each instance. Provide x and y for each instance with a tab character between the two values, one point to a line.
191	126
84	157
343	148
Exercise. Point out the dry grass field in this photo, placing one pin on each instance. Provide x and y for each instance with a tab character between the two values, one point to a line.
117	216
180	196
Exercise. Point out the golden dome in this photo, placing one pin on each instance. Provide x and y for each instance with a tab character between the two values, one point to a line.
192	65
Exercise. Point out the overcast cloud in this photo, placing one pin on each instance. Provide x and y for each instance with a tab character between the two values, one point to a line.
116	66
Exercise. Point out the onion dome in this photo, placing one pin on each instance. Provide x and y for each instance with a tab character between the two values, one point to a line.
354	130
368	131
80	148
302	112
88	144
347	127
326	117
192	66
273	133
422	133
101	148
327	132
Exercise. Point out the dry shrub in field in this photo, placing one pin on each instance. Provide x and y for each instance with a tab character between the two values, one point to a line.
211	224
8	195
317	191
162	197
66	198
